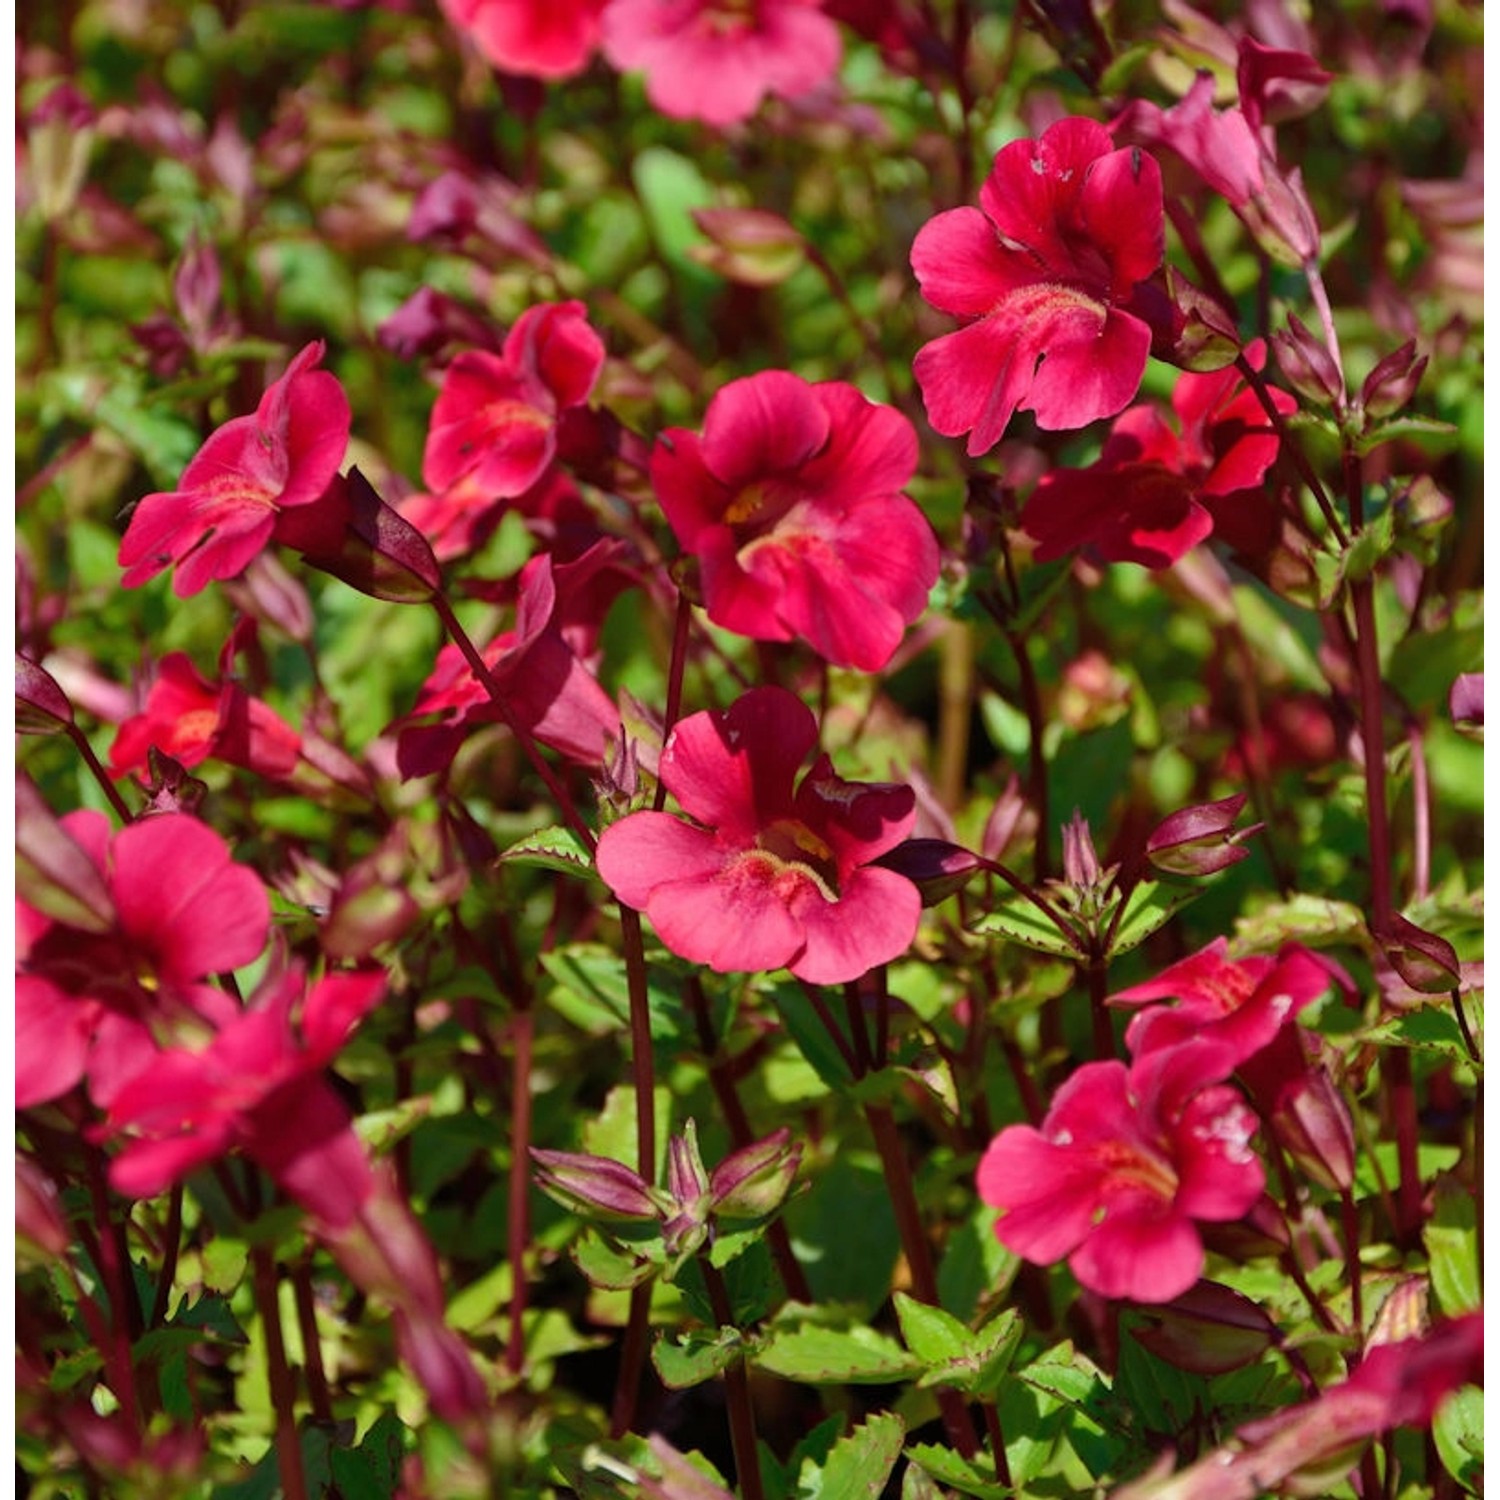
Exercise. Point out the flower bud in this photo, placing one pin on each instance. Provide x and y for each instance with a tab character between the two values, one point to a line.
1307	364
936	867
1080	861
594	1186
755	1180
353	534
747	245
1313	1125
41	705
1424	960
1393	382
1466	700
197	287
53	871
1200	840
39	1218
1204	335
1208	1330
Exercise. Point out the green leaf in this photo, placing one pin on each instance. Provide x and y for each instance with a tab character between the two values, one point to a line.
806	1028
856	1355
1453	1250
553	848
609	1265
372	1470
1440	436
1022	921
1315	920
1458	1432
858	1465
947	1467
696	1356
1149	907
933	1335
979	1371
478	1302
975	1264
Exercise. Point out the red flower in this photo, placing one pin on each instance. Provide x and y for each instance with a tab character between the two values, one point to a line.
173	909
540	665
536	38
1156	491
258	1086
714	60
192	720
225	507
495	421
1125	1162
1238	1003
1047	277
769	875
791	501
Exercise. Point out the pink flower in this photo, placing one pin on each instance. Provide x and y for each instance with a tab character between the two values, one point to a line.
769	874
1125	1162
495	421
540	665
1048	278
1238	1003
714	60
225	507
258	1086
1156	491
174	909
193	720
791	501
535	38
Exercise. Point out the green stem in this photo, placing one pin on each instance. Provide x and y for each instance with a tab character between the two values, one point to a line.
518	1227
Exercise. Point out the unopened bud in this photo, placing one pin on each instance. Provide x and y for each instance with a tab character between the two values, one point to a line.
1313	1125
1208	1330
754	1181
936	867
1393	382
1204	336
594	1186
1201	840
747	245
1080	861
41	705
1466	700
1307	364
1427	962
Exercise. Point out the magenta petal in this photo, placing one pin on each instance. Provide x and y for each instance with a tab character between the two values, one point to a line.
692	500
873	922
1220	1177
960	263
646	849
1120	208
1146	1258
737	921
177	889
747	600
1045	1195
761	425
974	378
145	1168
734	770
53	1030
1092	369
303	1137
317	436
871	449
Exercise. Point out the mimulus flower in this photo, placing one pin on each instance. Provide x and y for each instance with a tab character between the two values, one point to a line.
1048	278
193	720
226	504
1124	1163
495	420
791	500
535	38
258	1086
1157	490
715	60
177	909
770	873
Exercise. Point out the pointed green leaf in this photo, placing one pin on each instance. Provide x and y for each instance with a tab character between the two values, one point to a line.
696	1356
1021	921
1150	906
858	1465
836	1356
933	1335
554	848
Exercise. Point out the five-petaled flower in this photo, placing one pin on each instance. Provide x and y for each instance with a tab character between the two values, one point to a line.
715	60
791	500
496	416
1052	280
1157	490
226	505
165	906
1124	1163
771	874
